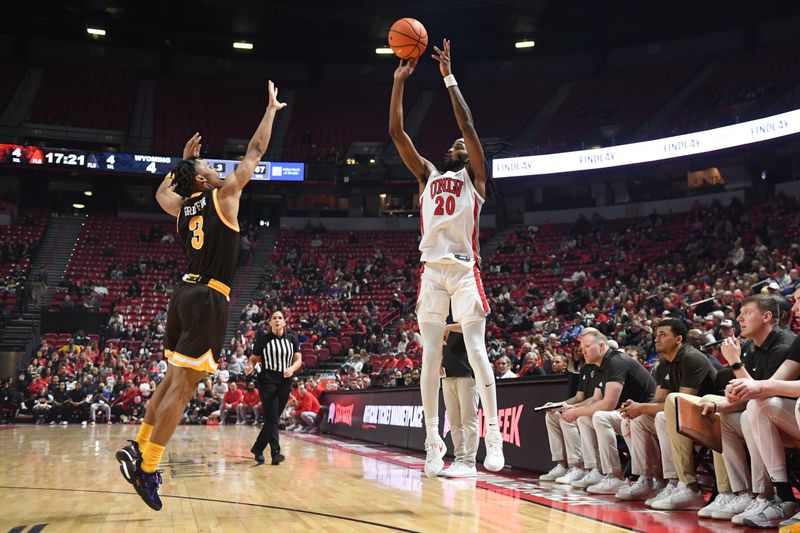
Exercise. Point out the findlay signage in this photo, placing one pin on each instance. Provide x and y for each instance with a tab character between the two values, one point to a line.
395	417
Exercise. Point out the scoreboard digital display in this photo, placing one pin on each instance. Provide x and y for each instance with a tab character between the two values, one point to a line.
128	163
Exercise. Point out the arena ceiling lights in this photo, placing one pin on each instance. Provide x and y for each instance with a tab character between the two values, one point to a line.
763	129
243	45
382	51
524	44
98	32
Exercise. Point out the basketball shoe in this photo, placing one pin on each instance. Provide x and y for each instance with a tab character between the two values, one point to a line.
129	457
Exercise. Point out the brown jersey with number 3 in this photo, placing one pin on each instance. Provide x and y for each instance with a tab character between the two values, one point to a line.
210	241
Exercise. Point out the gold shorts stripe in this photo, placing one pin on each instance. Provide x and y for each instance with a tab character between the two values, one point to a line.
213	283
204	363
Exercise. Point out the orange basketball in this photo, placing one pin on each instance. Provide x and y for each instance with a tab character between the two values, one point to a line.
408	38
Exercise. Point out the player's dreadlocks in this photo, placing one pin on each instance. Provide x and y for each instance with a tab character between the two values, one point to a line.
490	151
183	177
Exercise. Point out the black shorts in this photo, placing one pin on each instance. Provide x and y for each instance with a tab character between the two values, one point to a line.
196	321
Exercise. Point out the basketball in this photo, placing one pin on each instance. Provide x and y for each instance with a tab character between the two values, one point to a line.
408	38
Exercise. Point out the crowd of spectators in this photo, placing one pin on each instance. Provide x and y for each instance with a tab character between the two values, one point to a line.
545	285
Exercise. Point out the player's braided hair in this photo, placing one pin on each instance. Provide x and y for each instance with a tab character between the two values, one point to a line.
490	151
183	177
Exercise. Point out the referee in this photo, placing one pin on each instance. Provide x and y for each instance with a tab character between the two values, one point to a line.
278	352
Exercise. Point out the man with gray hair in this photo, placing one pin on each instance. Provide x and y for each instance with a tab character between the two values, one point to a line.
621	379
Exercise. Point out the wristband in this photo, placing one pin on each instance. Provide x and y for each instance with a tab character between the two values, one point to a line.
716	407
450	80
737	366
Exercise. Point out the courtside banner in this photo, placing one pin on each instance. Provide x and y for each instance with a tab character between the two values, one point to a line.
395	417
754	131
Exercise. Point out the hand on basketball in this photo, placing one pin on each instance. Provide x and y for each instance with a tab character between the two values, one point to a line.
273	98
192	148
731	350
405	69
443	57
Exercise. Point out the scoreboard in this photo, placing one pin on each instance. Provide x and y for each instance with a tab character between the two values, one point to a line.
128	163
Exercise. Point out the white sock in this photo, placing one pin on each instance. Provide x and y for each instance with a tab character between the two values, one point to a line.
475	341
432	335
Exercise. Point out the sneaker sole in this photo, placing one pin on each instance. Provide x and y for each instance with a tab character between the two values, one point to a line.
663	507
151	505
760	525
634	498
127	465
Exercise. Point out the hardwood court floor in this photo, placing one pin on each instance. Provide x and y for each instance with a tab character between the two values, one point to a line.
67	478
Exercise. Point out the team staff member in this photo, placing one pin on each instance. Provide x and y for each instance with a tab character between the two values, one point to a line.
684	369
580	447
278	352
460	401
622	378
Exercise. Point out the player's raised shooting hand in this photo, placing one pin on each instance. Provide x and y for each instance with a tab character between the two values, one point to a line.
192	148
405	69
443	57
273	98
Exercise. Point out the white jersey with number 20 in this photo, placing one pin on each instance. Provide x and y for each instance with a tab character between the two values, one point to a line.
450	208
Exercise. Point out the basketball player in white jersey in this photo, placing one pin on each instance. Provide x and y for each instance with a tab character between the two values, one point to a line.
450	204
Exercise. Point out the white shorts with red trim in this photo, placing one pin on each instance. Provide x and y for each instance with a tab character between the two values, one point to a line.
443	285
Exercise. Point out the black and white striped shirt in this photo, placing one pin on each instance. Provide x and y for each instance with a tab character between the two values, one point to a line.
277	353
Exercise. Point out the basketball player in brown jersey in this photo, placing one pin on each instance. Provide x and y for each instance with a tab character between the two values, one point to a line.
206	209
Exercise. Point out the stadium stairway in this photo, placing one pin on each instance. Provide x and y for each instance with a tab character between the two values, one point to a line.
54	253
248	277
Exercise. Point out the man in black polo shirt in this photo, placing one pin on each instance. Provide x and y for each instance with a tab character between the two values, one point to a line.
771	412
575	453
683	369
622	378
759	357
460	401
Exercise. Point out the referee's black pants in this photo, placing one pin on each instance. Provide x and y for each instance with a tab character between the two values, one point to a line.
274	391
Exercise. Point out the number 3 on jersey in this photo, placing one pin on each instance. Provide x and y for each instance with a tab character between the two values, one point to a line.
196	227
442	205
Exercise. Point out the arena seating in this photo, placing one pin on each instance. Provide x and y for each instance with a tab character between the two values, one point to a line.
521	100
85	97
622	98
330	118
89	266
19	242
12	75
218	109
741	87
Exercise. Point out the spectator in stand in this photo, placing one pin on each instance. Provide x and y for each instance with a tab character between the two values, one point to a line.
75	404
100	402
404	362
42	404
307	409
231	402
10	401
530	366
219	389
135	412
502	368
120	404
559	365
314	387
251	403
